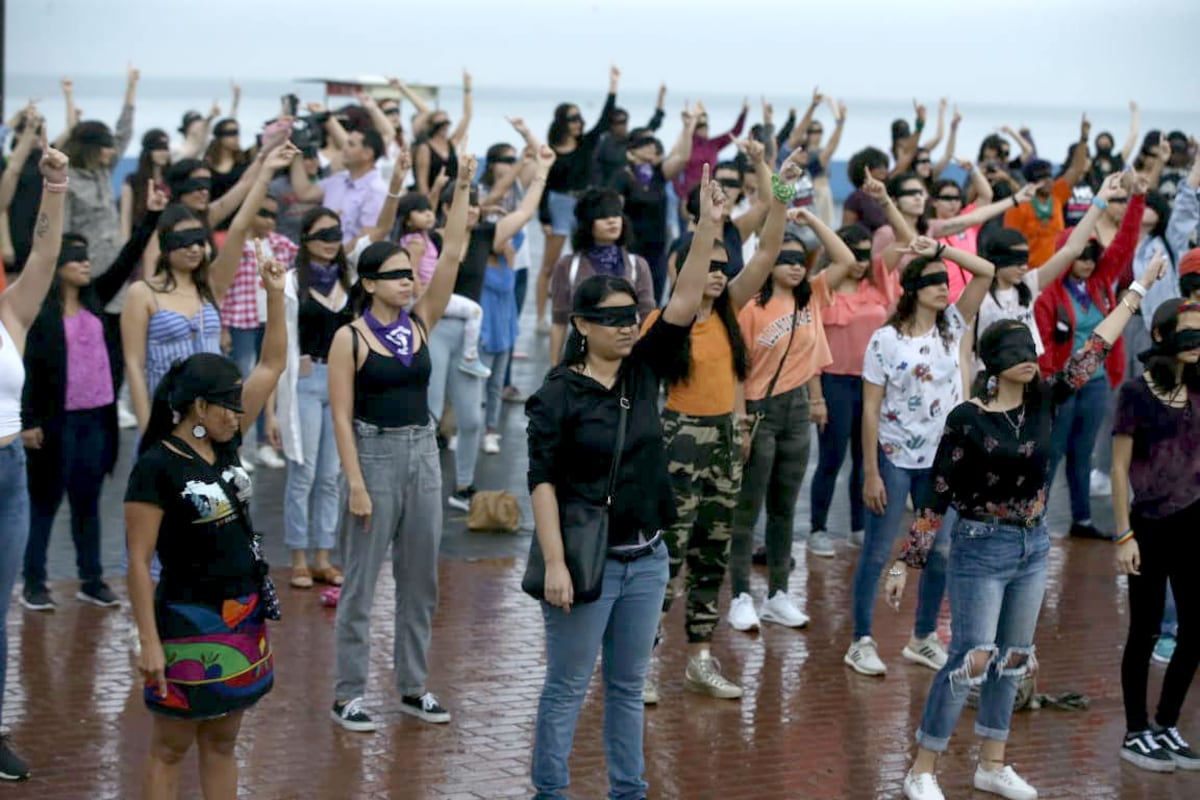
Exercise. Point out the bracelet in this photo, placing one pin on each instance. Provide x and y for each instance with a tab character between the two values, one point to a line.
1125	302
1138	289
895	572
1125	537
1016	202
783	192
816	400
395	196
940	249
1100	202
55	188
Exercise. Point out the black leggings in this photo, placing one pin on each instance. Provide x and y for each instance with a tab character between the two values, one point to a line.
1170	549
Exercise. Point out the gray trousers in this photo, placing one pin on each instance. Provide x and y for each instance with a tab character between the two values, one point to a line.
404	480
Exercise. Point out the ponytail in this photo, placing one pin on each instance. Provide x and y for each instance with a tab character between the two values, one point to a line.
162	416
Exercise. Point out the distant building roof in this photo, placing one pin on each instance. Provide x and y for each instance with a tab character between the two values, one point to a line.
376	86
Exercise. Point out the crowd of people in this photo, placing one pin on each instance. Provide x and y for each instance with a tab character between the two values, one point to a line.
343	300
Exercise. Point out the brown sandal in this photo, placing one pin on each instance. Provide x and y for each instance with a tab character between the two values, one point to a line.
302	578
330	575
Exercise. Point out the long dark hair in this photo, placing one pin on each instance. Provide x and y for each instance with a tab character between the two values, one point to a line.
906	307
894	186
1160	363
174	215
582	238
81	147
1034	390
801	292
145	171
176	391
680	368
591	292
489	161
303	261
559	126
853	234
372	260
1162	207
240	156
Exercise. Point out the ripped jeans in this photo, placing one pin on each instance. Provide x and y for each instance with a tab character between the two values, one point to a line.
996	579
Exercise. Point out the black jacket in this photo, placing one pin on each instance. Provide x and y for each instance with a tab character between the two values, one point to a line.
43	400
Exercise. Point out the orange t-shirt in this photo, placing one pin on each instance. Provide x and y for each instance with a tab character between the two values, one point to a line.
1041	234
710	389
766	330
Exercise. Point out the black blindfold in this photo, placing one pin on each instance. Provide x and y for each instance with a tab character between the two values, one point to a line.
792	258
614	317
1009	258
390	275
189	185
333	234
72	252
924	281
180	240
1007	349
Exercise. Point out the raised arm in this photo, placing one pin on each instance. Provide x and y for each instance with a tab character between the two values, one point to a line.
734	132
1185	213
800	131
459	136
21	302
510	224
768	133
948	155
1116	261
272	359
273	137
693	275
528	163
16	162
1079	159
931	144
124	129
109	284
419	104
1062	259
981	214
750	280
383	126
236	90
610	103
841	257
1135	126
1114	324
835	138
749	222
677	160
68	90
1026	146
656	119
982	271
432	303
387	214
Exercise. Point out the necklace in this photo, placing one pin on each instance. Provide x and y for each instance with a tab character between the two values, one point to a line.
1016	426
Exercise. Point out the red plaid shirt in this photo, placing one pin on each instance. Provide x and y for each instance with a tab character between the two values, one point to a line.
239	308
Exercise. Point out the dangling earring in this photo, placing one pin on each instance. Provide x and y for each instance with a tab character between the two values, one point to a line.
199	431
583	343
993	388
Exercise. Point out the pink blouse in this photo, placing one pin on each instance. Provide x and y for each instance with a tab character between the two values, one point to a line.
89	374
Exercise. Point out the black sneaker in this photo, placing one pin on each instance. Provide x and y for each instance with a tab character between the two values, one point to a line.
1142	749
1183	756
98	594
12	768
37	598
425	707
351	716
759	559
461	498
1089	531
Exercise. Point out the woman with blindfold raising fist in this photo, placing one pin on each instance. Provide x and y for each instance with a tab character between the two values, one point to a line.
379	369
596	442
991	466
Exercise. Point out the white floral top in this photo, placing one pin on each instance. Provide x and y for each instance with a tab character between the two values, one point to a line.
921	382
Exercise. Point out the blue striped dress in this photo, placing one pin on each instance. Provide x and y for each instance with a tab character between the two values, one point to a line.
171	337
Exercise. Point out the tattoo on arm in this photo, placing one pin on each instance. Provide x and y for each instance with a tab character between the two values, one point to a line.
43	225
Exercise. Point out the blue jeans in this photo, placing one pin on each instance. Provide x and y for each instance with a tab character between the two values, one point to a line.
521	285
1076	425
312	490
843	398
465	393
498	364
879	549
1170	620
997	579
562	212
14	532
246	345
623	620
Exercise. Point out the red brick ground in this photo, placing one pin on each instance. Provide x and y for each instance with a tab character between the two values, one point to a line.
807	728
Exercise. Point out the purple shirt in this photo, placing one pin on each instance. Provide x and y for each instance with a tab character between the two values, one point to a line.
89	376
1164	472
357	202
870	213
705	151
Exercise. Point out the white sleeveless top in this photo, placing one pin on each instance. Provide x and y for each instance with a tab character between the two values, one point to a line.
12	381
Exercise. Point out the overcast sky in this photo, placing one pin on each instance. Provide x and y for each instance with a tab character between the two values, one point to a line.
1023	52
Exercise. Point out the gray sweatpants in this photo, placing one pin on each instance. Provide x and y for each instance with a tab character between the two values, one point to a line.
404	480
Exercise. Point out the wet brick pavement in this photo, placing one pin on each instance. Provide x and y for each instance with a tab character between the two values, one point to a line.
807	727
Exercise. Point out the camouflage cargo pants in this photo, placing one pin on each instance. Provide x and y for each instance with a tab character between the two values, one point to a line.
706	475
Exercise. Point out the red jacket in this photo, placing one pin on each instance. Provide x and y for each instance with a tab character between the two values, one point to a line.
1055	313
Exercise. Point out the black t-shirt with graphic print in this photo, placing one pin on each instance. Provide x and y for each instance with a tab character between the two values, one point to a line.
203	540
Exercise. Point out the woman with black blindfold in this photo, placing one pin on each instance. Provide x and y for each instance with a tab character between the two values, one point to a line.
225	158
992	467
1156	456
151	170
173	314
435	149
73	370
379	373
604	397
204	656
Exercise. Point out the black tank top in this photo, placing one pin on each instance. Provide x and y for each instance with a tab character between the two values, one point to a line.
317	326
389	394
437	164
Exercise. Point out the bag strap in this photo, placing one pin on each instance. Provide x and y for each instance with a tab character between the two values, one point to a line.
619	448
230	490
783	359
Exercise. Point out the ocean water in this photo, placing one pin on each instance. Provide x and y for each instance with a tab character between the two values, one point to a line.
161	103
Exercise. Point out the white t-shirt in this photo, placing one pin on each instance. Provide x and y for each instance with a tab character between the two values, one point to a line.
1007	305
921	383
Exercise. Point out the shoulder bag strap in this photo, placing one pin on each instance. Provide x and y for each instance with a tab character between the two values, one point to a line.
618	450
783	359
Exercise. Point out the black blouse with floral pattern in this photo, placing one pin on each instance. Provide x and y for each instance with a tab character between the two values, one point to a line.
993	464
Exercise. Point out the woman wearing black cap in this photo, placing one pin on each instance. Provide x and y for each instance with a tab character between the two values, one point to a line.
91	207
991	466
205	656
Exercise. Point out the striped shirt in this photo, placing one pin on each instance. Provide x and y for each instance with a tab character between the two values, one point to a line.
171	337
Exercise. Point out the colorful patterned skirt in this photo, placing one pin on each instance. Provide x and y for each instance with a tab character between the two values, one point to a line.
218	657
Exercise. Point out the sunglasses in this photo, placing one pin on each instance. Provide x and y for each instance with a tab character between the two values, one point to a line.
950	198
575	118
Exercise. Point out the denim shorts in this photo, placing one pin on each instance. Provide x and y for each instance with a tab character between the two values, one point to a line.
562	213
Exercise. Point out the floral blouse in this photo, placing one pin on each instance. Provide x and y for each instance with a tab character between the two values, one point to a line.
993	464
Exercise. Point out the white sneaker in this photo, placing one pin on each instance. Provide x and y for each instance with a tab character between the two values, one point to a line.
856	539
819	544
928	652
863	658
922	787
1101	484
452	445
474	368
247	464
269	458
742	616
703	675
781	609
126	419
1004	782
649	693
491	443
